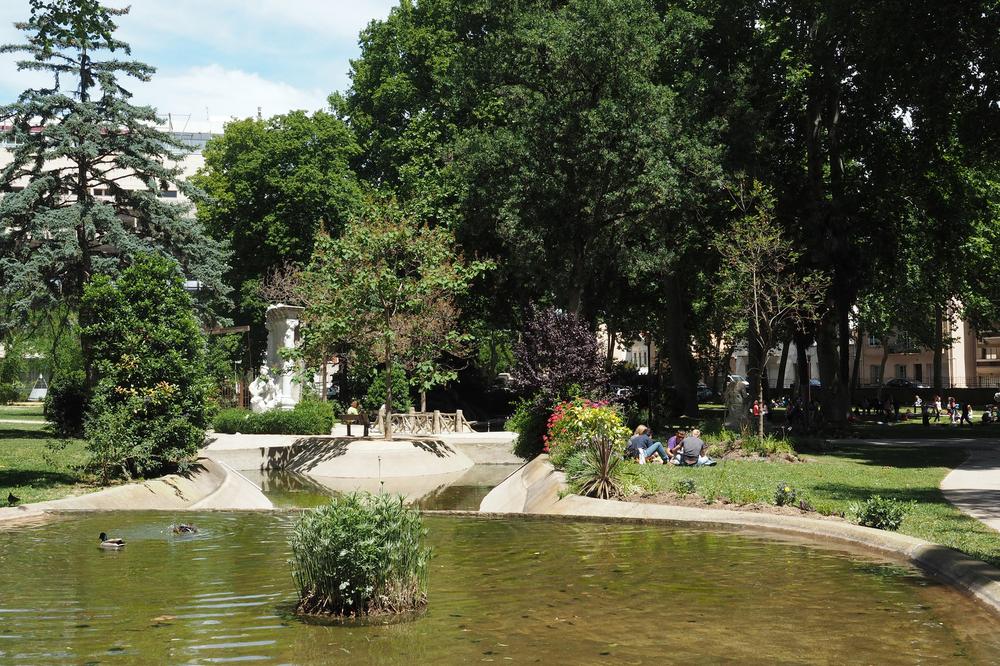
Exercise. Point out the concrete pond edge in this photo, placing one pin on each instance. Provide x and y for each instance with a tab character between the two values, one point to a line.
538	489
209	484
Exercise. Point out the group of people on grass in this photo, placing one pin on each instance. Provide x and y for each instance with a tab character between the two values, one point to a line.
686	449
955	411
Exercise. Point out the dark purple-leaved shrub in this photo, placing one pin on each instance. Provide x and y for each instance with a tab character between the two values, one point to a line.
558	354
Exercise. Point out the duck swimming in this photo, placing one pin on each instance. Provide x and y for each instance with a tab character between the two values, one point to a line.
111	544
185	529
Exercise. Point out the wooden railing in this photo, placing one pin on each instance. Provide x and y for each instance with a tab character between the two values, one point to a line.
427	423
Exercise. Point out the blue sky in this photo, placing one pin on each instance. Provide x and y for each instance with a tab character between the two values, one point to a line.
218	59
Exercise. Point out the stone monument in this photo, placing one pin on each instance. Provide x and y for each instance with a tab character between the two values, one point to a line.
736	397
263	392
282	323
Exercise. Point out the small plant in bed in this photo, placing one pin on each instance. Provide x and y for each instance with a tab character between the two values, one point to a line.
599	470
361	555
784	495
882	513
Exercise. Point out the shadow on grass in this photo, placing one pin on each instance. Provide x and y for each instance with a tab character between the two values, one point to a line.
904	457
850	492
18	433
35	478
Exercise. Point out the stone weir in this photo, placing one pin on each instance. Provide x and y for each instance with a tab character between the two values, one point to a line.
339	456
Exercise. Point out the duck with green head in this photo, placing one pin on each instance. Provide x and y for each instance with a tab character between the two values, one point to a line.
111	544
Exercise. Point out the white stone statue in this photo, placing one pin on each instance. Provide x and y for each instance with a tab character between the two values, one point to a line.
263	392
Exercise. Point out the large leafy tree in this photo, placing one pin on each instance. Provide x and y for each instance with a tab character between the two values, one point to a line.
271	184
70	207
379	286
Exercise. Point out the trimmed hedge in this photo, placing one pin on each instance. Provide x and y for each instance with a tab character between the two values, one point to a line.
310	417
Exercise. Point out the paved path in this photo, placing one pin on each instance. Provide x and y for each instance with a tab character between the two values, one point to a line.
23	421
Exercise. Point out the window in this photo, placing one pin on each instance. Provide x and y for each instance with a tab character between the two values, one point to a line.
991	353
873	341
900	371
918	372
874	376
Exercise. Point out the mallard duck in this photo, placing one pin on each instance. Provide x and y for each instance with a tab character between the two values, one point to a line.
111	544
185	529
12	499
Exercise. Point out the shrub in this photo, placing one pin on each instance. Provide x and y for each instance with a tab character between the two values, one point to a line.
530	422
309	417
375	396
557	352
599	470
684	487
784	494
146	348
10	375
66	403
573	423
883	513
360	555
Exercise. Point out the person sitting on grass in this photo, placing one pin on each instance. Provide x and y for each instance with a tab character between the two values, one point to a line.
642	446
694	451
674	444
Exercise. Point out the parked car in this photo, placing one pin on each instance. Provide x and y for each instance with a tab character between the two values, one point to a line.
901	382
705	394
815	383
736	378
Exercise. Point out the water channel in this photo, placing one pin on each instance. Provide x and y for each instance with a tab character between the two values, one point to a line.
503	591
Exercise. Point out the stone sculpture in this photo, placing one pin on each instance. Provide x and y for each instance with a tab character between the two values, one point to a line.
736	396
263	392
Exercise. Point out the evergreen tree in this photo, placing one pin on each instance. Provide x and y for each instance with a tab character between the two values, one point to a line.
80	136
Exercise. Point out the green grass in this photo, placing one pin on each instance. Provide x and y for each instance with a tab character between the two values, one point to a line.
34	470
831	481
914	429
32	412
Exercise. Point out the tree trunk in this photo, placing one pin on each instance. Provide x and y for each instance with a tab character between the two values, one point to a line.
855	373
423	400
802	343
881	367
760	409
783	363
834	396
679	347
755	365
323	394
938	348
612	340
386	420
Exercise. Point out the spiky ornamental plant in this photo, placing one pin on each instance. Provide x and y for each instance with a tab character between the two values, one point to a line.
83	134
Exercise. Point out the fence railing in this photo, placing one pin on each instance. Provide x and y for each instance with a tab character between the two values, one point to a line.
427	423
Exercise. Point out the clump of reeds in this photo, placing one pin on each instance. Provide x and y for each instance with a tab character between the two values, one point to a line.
360	555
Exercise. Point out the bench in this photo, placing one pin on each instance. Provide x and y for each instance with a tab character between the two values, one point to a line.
353	419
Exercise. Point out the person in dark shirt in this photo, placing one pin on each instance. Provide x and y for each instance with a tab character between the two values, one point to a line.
694	451
641	441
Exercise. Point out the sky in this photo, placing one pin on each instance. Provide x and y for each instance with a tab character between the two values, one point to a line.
222	59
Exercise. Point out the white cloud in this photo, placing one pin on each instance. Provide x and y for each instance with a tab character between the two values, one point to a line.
208	96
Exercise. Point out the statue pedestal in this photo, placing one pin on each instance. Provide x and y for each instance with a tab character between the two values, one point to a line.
282	323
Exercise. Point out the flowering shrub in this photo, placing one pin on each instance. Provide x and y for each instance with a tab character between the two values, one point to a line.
575	421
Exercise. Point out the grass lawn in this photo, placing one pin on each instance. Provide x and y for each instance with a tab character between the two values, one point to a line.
23	411
35	471
832	480
914	429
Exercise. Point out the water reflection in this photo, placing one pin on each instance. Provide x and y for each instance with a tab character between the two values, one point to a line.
500	590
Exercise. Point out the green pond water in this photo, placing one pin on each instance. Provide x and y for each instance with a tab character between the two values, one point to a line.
503	591
461	491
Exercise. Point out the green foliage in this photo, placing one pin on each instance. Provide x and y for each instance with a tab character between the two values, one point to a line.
87	124
309	417
883	513
147	351
360	555
387	286
375	395
574	423
10	376
599	470
530	422
272	184
684	486
784	495
66	403
728	441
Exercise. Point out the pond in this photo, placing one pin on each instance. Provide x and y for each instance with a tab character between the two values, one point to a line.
500	591
460	491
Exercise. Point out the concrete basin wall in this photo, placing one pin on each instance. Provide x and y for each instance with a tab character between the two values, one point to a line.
339	456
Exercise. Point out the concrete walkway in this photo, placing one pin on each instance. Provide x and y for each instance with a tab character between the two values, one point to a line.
24	421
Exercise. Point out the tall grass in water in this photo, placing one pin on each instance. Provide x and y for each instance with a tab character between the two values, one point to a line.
360	555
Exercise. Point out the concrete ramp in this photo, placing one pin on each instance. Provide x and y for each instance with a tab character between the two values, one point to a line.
532	489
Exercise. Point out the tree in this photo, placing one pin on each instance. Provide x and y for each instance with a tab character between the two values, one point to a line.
146	346
80	137
558	354
271	185
374	287
759	273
